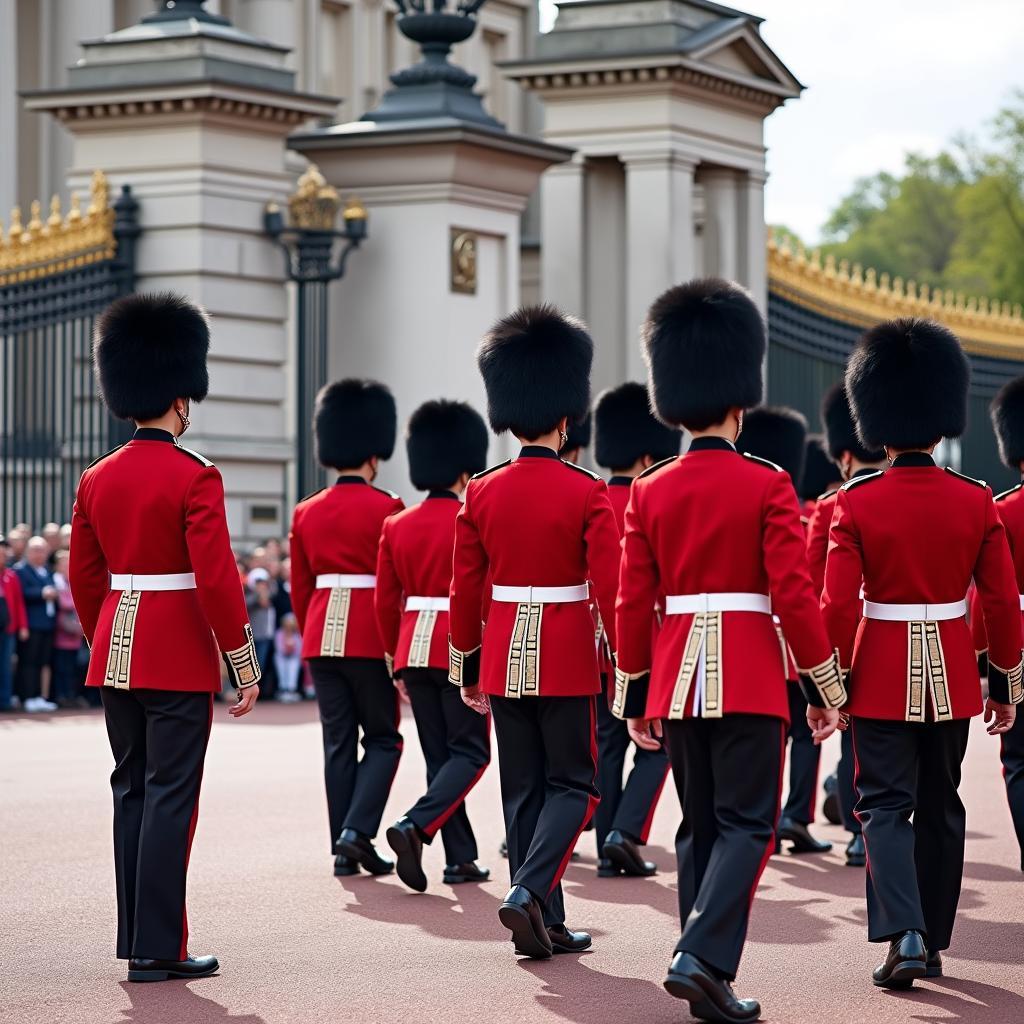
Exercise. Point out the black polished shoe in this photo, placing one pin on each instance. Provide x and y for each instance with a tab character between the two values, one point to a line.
405	839
358	847
830	807
933	965
710	997
565	941
798	834
521	914
624	853
503	849
856	852
141	969
906	961
344	866
457	874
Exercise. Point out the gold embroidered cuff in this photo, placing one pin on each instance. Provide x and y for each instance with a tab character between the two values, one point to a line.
1006	685
243	668
822	684
389	664
463	666
630	700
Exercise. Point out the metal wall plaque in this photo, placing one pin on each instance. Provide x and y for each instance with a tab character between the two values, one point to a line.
462	261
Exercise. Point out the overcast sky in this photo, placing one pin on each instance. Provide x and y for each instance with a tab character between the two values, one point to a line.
882	77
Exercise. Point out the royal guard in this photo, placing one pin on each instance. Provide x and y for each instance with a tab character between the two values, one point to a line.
627	440
719	535
780	436
154	582
535	530
334	540
853	461
904	546
446	443
821	475
1008	421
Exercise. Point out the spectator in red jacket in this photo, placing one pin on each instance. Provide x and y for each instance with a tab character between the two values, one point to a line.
13	623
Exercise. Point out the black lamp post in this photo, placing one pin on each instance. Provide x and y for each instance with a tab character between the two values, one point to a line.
312	261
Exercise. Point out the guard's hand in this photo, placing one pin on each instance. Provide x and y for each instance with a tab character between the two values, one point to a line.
1001	717
822	722
246	701
473	698
403	693
645	732
23	634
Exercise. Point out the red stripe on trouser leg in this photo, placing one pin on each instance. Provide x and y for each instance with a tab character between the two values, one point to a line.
183	952
649	820
592	801
432	829
770	848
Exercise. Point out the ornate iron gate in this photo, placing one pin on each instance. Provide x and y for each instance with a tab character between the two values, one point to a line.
55	276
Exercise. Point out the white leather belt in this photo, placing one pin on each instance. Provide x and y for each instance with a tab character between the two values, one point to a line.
330	580
691	604
426	604
915	612
153	581
541	595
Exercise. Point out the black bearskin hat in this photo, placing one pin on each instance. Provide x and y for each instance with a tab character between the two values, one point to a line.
778	434
1007	413
535	363
149	350
627	430
578	433
907	384
444	440
840	429
704	342
354	420
820	472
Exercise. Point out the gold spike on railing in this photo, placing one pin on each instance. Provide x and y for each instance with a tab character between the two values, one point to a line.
40	249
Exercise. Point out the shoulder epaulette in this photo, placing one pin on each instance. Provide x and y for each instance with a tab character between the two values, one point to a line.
491	469
384	490
312	494
763	462
194	455
862	479
658	465
824	495
105	455
581	469
1006	494
964	476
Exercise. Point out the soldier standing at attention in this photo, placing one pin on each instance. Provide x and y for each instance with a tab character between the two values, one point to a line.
913	537
535	530
334	540
446	443
628	440
719	534
154	582
854	461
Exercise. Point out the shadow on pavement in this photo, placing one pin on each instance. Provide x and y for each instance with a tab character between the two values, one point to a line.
175	1002
992	872
959	999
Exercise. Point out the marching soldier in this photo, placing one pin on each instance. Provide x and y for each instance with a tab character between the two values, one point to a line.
535	530
627	440
155	585
334	539
853	461
1008	421
446	444
780	435
719	534
913	537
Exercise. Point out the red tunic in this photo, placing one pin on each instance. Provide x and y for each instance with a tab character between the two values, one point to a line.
713	522
918	534
152	507
337	530
817	538
415	559
1010	508
534	522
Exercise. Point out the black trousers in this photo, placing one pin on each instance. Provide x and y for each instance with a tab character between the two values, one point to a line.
456	744
728	772
356	694
915	869
547	758
846	784
804	759
33	656
158	739
628	808
1012	755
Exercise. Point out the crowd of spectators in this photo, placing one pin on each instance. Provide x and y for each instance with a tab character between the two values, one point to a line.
43	654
